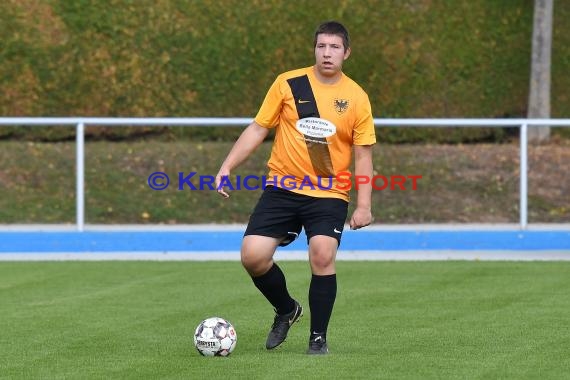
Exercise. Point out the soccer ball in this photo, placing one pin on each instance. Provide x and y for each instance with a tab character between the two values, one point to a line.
215	337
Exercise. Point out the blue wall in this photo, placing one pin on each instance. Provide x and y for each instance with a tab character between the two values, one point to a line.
229	240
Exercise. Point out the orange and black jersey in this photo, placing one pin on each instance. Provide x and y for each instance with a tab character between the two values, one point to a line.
316	126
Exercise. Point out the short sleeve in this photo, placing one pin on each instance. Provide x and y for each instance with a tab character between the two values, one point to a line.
268	114
364	132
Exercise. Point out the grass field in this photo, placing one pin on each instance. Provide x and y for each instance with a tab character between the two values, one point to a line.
416	320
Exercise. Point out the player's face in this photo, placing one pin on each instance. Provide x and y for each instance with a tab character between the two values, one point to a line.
330	54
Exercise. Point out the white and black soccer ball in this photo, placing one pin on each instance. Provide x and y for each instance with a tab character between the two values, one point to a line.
215	336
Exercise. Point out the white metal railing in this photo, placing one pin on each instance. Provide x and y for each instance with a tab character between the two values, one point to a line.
81	122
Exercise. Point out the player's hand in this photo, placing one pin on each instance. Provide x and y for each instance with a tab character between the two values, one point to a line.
361	217
220	189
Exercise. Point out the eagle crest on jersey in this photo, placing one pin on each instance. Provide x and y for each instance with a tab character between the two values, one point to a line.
340	106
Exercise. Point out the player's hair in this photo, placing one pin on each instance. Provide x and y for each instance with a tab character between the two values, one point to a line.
336	28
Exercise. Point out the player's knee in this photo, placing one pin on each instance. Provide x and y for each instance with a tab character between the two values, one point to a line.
322	253
257	254
322	259
254	264
248	260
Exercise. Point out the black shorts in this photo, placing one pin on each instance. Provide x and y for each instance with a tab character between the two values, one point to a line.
282	214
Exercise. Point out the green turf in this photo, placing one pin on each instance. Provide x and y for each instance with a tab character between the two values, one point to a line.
416	320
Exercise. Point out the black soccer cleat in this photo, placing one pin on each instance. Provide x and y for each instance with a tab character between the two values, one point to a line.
318	346
281	326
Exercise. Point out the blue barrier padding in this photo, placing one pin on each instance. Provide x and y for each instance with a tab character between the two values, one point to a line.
362	240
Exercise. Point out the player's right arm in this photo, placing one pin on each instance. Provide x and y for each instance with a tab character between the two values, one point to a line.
248	141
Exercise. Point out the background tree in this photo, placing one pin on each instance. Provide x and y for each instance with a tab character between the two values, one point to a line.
539	96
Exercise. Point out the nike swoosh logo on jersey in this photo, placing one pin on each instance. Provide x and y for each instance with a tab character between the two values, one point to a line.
303	101
337	231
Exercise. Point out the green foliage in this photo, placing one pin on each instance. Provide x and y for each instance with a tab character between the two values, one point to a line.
201	58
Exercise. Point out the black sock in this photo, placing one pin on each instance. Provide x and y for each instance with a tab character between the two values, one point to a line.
274	287
322	294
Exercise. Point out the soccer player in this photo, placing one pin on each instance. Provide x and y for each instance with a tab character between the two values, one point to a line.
320	116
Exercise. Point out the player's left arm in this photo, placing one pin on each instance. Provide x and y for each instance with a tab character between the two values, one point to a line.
362	215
